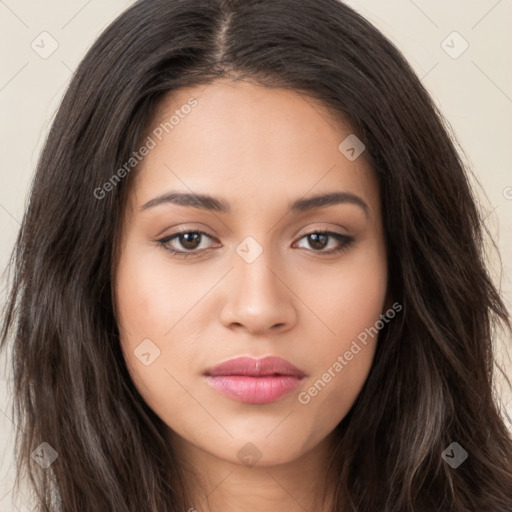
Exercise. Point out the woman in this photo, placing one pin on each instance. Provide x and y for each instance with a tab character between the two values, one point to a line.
250	277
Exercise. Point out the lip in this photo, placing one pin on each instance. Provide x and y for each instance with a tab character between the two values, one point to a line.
255	381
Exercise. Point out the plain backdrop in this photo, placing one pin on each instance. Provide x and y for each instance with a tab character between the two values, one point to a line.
461	50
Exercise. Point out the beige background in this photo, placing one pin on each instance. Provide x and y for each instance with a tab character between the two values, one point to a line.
474	91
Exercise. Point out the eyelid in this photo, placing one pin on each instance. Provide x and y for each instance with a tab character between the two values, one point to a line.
322	227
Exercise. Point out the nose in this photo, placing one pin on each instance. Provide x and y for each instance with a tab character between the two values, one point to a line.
257	299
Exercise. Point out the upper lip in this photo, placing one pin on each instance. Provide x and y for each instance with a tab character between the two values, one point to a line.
263	367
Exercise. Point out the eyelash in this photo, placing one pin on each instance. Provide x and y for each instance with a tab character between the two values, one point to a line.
346	242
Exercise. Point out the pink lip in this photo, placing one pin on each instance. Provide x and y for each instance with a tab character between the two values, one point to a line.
255	381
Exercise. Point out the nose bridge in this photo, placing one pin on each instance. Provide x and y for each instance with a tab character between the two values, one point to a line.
258	299
253	272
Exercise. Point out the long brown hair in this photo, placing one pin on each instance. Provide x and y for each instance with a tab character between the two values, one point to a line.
431	383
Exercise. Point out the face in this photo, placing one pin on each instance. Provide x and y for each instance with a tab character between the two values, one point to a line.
259	270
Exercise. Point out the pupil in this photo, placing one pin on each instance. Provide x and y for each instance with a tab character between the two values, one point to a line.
318	240
187	241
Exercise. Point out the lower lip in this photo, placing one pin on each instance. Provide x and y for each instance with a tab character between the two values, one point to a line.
254	390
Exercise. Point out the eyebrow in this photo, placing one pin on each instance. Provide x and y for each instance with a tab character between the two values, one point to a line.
210	203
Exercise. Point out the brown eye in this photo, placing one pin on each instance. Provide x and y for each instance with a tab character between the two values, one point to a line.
185	243
319	240
190	240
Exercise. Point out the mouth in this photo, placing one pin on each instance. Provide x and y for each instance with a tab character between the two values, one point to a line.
255	381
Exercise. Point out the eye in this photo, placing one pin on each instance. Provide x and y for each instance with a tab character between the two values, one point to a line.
319	240
188	242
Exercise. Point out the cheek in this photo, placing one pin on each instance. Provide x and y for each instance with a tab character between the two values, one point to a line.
153	295
156	302
350	306
349	297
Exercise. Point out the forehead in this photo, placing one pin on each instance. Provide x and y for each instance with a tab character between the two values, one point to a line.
241	139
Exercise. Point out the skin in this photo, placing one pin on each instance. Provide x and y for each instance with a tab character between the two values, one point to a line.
259	149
